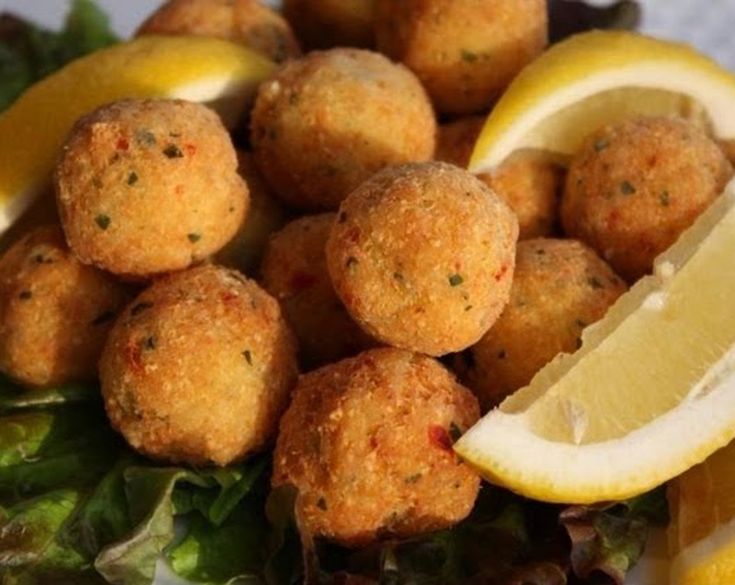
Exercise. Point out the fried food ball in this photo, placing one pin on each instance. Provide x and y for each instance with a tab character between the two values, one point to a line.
422	256
325	123
265	215
55	312
295	272
367	442
530	184
455	140
246	22
559	288
634	187
322	24
198	368
149	186
465	52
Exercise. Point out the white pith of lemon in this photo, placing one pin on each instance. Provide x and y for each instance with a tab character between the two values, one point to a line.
598	78
221	74
650	393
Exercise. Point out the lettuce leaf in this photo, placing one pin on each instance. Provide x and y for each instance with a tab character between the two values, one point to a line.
507	540
29	53
608	540
77	506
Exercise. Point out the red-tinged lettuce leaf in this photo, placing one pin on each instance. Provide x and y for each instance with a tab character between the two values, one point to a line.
568	17
608	540
30	550
506	540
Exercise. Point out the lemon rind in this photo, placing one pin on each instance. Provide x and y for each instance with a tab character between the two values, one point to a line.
504	449
591	63
194	68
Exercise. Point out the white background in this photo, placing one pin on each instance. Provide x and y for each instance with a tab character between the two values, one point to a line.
707	24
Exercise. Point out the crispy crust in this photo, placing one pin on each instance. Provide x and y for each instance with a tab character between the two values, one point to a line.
149	186
325	123
199	368
634	187
367	442
422	256
55	312
559	288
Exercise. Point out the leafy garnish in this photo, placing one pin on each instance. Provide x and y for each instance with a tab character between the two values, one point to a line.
77	506
609	539
13	398
29	53
507	540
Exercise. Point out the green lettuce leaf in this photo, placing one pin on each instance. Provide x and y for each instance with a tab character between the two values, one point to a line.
14	399
31	550
225	524
29	53
608	540
87	507
507	540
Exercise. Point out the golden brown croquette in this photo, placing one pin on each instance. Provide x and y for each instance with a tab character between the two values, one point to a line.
325	123
466	52
422	256
530	184
198	368
149	186
244	251
633	187
55	312
295	272
367	442
246	22
559	288
322	24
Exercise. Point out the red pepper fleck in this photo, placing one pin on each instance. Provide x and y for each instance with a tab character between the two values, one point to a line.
439	437
300	281
353	235
613	218
132	354
122	144
226	297
190	149
502	272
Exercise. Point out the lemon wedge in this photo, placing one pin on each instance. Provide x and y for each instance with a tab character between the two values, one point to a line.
603	77
216	72
702	529
650	393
